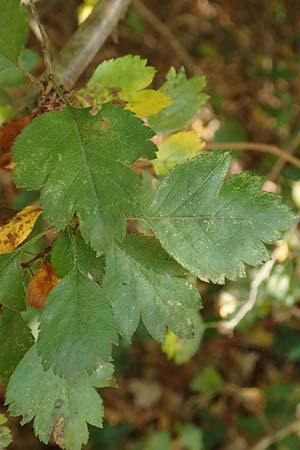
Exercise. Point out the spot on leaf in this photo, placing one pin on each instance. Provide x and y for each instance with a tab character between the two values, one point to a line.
58	432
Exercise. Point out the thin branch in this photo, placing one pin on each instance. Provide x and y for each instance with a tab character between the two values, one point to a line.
266	442
164	31
227	326
85	43
31	77
280	163
254	147
44	39
47	54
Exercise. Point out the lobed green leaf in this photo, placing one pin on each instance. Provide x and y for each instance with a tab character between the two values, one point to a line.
81	164
77	326
12	290
214	228
59	406
141	282
187	99
66	248
16	339
13	32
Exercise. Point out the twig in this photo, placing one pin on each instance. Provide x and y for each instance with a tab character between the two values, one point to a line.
31	77
254	147
167	35
280	163
44	39
86	41
47	55
227	326
266	442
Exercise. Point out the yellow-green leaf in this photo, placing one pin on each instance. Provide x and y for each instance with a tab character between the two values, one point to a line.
147	102
176	149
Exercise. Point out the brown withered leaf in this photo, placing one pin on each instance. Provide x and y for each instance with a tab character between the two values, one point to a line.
10	130
43	281
5	160
18	228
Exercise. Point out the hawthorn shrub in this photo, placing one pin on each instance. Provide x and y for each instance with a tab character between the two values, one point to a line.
129	243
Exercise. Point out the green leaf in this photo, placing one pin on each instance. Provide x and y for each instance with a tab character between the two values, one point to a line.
6	113
127	74
16	339
208	381
182	350
13	32
62	256
59	405
81	163
159	440
230	130
5	433
187	99
125	79
141	283
214	228
191	437
13	77
77	326
176	149
12	291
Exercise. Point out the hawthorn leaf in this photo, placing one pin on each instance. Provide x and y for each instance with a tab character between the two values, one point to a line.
5	433
124	79
13	32
80	162
16	339
77	326
127	74
141	282
175	149
12	290
14	77
191	437
158	440
60	407
187	99
42	282
62	256
147	102
211	227
182	350
18	228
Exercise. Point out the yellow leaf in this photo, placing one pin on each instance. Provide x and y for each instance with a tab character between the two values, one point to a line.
170	346
147	102
176	149
14	232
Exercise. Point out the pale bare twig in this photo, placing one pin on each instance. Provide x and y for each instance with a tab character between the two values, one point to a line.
255	147
266	442
227	326
163	30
